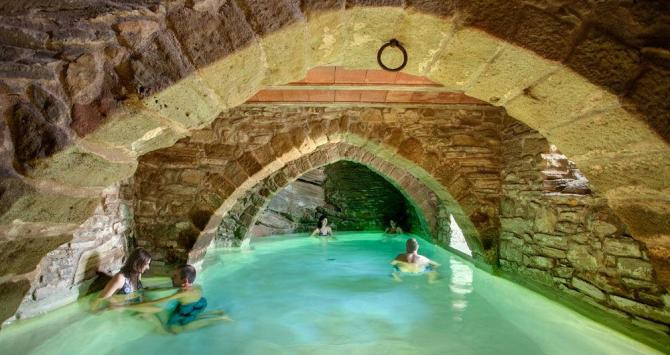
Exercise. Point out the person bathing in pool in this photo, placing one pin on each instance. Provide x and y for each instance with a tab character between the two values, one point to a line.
392	231
125	286
393	228
189	312
412	262
323	229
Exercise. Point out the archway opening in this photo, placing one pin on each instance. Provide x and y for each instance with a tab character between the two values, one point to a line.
354	193
350	195
457	240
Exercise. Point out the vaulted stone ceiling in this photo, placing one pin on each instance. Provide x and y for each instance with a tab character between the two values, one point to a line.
89	86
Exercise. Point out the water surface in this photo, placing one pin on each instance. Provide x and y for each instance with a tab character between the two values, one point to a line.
299	295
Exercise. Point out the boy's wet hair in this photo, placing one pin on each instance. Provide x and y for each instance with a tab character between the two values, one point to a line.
411	245
187	273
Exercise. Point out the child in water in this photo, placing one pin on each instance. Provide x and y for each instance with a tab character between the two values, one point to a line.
189	312
411	262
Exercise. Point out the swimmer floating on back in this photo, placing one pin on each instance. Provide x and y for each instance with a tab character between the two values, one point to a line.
411	262
323	229
190	310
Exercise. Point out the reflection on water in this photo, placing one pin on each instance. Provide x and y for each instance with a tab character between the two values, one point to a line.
460	284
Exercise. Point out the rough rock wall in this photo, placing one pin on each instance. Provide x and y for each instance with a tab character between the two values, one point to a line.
562	174
295	208
75	260
179	187
572	241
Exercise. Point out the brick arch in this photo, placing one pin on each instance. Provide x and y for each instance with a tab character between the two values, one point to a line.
435	203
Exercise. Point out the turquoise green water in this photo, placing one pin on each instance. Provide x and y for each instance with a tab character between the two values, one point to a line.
298	295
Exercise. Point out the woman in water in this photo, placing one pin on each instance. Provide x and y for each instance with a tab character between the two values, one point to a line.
393	228
123	287
323	229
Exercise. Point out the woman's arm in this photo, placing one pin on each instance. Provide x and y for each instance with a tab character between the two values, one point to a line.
160	300
315	232
112	286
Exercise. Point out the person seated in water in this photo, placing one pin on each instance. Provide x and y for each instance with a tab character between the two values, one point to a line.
189	312
412	262
125	286
393	228
323	229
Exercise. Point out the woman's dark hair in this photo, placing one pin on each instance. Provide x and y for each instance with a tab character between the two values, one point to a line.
320	224
137	259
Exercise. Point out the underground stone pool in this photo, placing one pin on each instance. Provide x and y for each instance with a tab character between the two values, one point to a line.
299	295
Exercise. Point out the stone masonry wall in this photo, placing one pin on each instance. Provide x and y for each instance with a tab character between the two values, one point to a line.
97	246
572	241
362	200
179	187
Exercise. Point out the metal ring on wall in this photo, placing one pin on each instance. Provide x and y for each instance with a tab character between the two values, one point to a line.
393	43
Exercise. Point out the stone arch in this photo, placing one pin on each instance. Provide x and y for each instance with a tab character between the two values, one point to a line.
436	204
548	66
556	85
232	233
